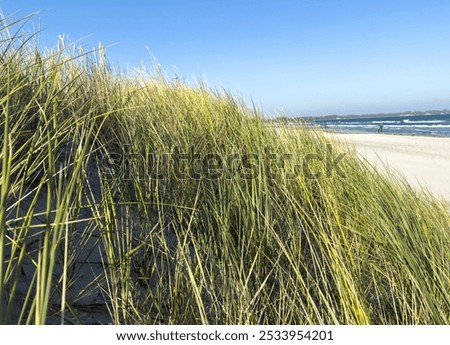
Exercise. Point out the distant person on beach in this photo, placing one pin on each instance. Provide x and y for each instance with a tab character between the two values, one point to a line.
380	128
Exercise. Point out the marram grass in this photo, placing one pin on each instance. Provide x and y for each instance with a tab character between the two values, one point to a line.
141	200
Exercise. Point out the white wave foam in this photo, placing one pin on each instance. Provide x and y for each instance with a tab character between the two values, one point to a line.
420	126
424	121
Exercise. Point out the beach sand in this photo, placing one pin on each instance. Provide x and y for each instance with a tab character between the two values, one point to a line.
423	161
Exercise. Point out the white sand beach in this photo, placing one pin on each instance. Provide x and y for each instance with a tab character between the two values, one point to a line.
423	161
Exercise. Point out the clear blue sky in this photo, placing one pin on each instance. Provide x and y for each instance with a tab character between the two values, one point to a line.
308	57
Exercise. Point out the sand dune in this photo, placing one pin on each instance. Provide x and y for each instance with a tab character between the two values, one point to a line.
424	161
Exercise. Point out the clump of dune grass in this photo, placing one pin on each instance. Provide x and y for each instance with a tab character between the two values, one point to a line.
190	209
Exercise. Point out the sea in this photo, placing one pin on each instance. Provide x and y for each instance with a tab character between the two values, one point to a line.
427	125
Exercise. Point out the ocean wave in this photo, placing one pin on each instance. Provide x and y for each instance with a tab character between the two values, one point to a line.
382	122
421	126
424	121
351	126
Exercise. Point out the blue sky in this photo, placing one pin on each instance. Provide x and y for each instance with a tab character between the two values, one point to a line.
304	57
